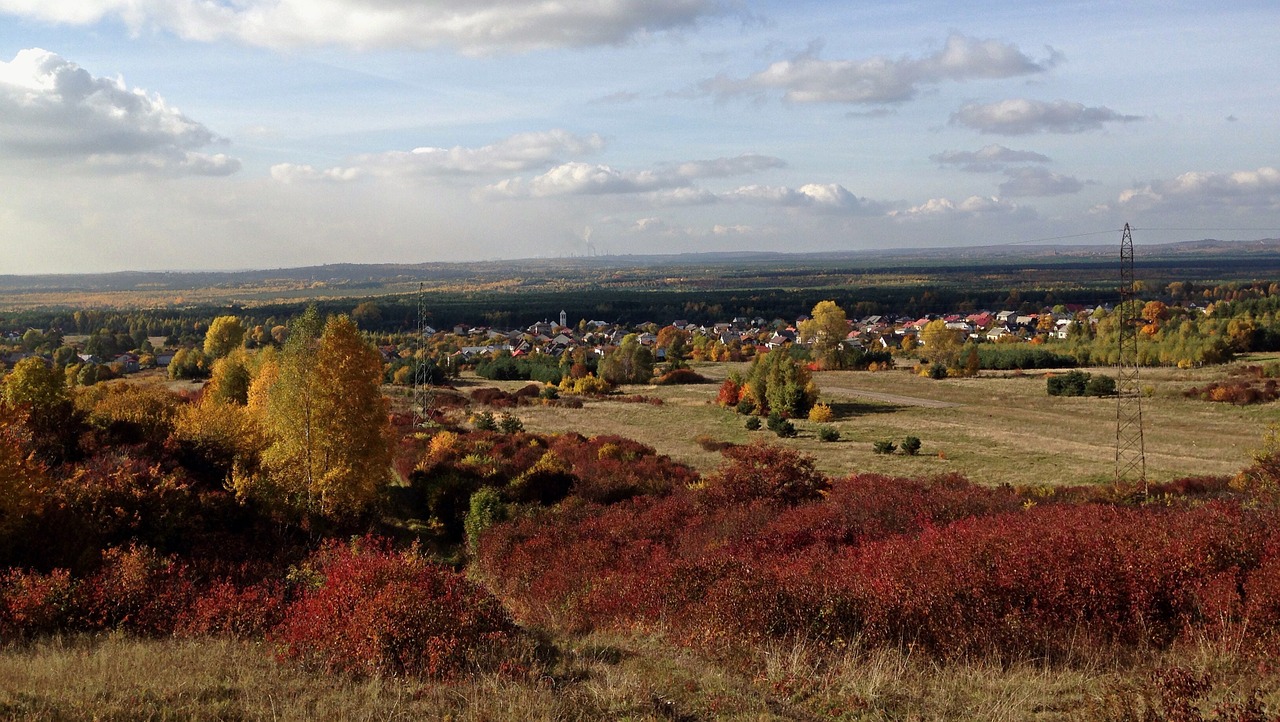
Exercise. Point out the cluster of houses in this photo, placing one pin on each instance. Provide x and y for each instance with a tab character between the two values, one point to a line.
872	332
466	344
126	363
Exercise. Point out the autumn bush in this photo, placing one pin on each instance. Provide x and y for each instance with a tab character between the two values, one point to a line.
135	589
1240	393
533	469
821	414
32	603
763	471
226	608
497	398
368	610
681	376
729	393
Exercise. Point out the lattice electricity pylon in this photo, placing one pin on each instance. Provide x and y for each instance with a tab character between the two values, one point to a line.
1131	459
423	392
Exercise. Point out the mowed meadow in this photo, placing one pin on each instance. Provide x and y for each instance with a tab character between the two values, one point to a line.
996	428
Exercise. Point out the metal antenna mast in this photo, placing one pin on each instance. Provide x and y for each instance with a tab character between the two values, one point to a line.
1130	456
423	392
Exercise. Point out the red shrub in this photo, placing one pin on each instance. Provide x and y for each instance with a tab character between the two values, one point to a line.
611	468
761	471
953	568
710	443
228	609
638	399
135	589
32	603
729	393
369	611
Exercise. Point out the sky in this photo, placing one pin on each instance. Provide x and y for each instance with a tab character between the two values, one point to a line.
238	134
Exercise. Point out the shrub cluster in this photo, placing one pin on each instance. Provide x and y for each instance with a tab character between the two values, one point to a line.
1079	383
1241	393
681	376
769	549
367	610
533	469
135	589
356	608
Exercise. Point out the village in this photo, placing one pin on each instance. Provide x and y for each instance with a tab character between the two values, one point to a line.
465	344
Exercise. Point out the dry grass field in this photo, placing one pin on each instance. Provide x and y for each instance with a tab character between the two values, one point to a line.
593	677
995	428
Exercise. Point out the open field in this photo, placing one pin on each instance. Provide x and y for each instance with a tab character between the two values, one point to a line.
996	428
593	677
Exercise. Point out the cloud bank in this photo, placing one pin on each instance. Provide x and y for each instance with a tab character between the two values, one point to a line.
1020	116
880	80
1239	190
52	109
520	152
471	26
971	207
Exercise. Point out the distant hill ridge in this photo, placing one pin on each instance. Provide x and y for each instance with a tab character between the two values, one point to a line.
353	275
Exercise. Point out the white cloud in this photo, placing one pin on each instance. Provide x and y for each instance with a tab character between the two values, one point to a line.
523	151
291	173
972	206
821	196
52	109
989	159
1241	189
683	197
670	183
473	26
576	178
1038	182
1020	116
809	79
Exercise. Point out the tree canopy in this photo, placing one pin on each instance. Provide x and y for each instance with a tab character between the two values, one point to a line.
326	419
826	330
225	334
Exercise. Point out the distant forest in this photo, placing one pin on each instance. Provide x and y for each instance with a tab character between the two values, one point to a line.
694	288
